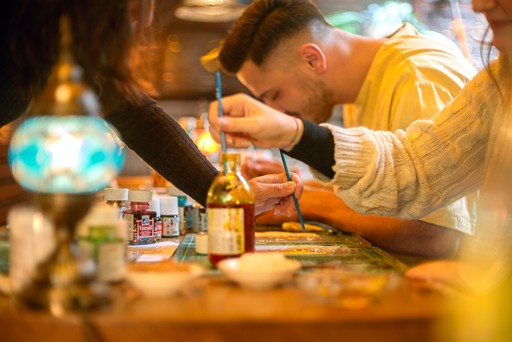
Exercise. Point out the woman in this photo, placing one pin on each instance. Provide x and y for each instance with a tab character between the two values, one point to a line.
105	36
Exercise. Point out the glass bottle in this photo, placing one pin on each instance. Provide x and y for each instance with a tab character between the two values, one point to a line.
117	198
140	219
102	244
155	206
170	216
230	212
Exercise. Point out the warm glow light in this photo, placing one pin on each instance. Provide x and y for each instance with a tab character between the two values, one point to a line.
206	144
63	93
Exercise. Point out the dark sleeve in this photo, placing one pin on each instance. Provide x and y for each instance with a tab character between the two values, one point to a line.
315	148
161	142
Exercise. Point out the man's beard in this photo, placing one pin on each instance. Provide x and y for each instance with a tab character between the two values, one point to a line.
318	101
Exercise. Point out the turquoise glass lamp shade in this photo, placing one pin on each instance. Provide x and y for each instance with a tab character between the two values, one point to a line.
65	154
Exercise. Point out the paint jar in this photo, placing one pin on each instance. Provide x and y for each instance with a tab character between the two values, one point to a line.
139	218
117	198
170	216
155	206
102	243
182	203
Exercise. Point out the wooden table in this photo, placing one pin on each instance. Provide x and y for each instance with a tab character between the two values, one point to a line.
215	309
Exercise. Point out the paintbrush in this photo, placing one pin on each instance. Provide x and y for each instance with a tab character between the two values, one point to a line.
288	175
210	62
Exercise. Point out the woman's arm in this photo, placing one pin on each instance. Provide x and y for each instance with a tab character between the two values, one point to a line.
161	142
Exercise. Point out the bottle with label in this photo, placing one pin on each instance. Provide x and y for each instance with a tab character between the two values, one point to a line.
170	216
140	220
117	198
230	212
182	203
102	243
155	206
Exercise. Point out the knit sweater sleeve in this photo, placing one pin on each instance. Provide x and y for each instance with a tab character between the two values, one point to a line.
410	173
161	142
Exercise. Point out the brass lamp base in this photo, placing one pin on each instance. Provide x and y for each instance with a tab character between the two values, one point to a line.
77	297
62	283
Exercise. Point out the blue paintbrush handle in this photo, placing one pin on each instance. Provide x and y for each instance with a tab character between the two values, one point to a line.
289	176
218	94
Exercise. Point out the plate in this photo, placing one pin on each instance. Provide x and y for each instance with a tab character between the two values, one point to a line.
259	271
159	282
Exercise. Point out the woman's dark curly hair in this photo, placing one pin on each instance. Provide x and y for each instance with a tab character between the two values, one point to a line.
104	38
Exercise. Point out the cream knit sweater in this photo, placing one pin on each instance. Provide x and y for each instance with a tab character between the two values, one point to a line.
413	172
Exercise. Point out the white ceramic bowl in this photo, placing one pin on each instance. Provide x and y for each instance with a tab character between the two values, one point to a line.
159	284
259	270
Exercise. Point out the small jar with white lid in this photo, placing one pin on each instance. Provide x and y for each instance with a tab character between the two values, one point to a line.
155	206
117	198
140	219
169	214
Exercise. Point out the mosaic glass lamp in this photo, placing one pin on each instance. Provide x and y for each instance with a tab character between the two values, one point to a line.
63	154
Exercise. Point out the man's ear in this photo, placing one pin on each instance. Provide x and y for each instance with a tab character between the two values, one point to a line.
315	58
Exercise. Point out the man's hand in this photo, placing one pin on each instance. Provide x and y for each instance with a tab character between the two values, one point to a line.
247	121
275	192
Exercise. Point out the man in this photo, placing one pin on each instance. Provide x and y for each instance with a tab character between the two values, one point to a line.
289	57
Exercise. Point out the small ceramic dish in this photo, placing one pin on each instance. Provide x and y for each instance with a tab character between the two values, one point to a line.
157	281
259	270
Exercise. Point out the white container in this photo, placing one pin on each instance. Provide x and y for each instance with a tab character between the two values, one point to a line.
202	244
32	240
169	213
102	244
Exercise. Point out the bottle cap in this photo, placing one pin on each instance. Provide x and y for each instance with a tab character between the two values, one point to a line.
169	205
182	201
154	205
140	196
115	194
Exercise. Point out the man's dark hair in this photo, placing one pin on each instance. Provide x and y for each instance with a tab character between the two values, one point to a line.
262	27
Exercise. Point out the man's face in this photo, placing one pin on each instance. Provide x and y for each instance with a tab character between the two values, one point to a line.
288	89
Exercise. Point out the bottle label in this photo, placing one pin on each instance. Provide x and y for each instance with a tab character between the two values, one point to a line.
171	226
145	226
225	230
158	229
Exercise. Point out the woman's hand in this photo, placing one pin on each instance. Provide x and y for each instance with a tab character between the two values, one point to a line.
445	276
247	121
275	192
